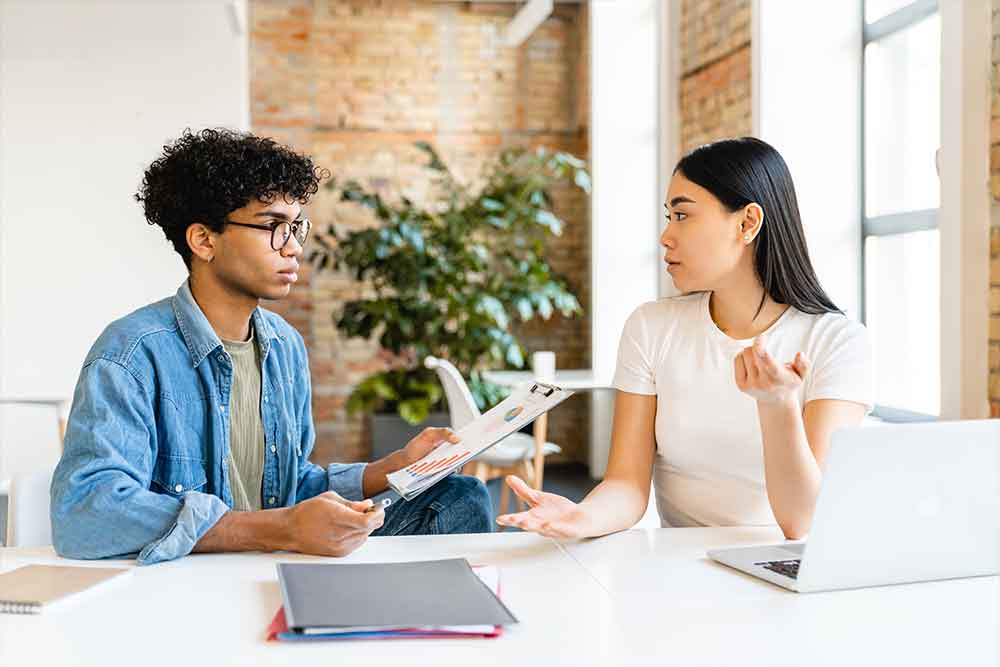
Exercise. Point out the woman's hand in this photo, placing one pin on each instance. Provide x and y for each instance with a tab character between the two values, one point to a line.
548	514
762	377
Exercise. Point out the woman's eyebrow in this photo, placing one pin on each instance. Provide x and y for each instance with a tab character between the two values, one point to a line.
680	200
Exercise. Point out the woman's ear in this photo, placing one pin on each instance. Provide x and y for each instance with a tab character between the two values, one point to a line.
201	240
752	222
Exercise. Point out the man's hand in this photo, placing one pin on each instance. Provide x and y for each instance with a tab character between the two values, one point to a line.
425	443
374	479
328	525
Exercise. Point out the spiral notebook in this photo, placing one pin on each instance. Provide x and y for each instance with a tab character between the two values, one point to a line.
32	589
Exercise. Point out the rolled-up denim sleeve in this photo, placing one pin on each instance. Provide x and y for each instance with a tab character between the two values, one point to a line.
101	502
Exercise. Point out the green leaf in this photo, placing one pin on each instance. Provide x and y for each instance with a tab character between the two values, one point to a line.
491	306
547	219
414	410
544	307
436	164
524	309
514	356
383	389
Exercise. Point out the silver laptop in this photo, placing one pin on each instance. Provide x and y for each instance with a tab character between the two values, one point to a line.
899	503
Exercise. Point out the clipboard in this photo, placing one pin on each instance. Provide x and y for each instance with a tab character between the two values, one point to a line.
525	404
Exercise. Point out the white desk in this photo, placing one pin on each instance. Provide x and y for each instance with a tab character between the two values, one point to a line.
640	597
575	380
678	606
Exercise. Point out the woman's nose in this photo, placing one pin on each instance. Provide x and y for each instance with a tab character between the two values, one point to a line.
666	238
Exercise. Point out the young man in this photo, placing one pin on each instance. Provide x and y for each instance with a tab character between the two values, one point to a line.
191	424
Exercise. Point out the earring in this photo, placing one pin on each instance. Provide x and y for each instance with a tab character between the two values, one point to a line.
746	237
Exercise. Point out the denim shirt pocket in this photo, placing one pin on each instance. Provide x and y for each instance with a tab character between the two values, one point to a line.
175	475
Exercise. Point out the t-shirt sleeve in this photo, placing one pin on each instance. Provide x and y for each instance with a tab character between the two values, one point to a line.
634	371
842	367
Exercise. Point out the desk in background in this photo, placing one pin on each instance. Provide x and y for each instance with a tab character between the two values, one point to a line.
601	408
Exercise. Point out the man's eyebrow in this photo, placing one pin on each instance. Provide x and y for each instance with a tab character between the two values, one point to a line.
271	214
680	200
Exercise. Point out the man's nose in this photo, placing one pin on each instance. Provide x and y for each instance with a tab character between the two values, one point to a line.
293	248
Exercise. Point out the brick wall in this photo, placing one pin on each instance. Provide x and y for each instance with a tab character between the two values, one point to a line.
355	83
715	71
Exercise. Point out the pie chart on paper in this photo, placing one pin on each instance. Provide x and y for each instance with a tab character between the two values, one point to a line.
513	413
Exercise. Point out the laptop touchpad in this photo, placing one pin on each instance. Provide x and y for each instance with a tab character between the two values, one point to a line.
796	549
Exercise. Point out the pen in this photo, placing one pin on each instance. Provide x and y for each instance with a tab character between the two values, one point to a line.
385	502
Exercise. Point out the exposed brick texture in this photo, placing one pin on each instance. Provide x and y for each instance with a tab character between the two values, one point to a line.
715	71
355	83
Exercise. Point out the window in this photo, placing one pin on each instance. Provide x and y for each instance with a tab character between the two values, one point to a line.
901	195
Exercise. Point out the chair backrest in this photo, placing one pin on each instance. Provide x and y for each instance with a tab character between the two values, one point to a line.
462	407
28	523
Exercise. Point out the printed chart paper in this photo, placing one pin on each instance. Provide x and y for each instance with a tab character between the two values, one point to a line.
523	406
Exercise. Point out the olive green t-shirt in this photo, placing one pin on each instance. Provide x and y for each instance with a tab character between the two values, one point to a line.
246	431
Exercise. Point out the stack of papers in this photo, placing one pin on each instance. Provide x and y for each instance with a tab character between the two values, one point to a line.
444	598
522	407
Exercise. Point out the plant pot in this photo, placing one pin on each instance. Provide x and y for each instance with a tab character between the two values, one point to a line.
391	432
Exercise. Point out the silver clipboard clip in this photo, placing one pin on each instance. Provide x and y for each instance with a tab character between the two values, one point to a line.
541	386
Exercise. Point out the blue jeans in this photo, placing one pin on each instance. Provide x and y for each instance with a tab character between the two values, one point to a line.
456	504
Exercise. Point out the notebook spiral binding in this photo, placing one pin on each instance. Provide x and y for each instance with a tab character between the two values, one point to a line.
11	607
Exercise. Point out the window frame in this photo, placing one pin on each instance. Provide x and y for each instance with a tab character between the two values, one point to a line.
892	223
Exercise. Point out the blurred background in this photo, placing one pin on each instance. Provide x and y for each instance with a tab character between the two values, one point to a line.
887	112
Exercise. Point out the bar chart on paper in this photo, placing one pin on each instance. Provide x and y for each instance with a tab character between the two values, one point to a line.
518	409
440	463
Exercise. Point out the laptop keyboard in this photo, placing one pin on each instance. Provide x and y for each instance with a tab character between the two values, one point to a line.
788	568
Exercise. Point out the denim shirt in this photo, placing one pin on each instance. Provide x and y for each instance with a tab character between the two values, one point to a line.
144	466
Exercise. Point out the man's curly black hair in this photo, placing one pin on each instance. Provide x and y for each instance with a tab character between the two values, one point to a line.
204	176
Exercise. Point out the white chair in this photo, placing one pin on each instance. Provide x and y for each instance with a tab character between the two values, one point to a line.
517	454
28	523
30	447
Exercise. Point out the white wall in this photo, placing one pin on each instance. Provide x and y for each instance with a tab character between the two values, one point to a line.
807	104
89	93
625	149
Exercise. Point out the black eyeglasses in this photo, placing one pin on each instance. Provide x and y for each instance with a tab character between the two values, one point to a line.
281	231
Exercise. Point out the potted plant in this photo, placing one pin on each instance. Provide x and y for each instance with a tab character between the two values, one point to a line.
450	276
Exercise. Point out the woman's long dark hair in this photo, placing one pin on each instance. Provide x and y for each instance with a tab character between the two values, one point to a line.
746	171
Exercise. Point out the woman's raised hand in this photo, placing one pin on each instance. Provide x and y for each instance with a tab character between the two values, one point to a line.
762	377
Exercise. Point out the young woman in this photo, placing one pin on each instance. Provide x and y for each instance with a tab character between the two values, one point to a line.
727	395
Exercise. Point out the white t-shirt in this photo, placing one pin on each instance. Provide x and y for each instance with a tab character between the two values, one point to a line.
709	465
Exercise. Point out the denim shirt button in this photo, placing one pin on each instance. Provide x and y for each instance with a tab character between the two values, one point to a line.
221	358
274	450
179	488
270	501
265	398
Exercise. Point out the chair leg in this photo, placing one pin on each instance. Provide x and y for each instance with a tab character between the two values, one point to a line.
529	474
504	494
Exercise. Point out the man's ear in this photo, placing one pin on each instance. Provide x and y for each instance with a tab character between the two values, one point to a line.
201	240
752	222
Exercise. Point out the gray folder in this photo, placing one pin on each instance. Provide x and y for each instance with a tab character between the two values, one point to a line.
339	596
